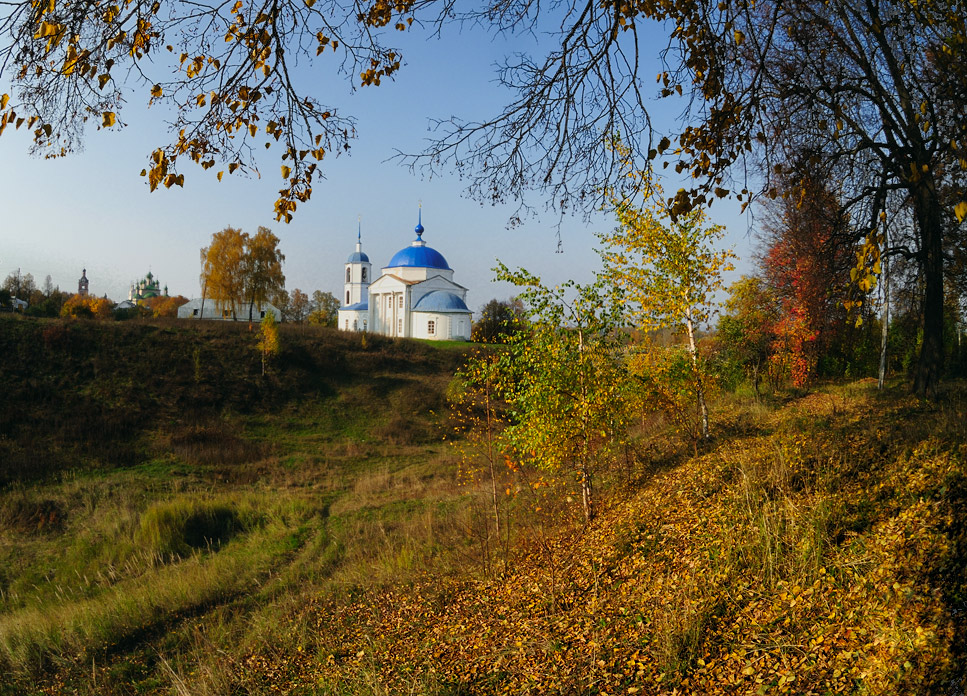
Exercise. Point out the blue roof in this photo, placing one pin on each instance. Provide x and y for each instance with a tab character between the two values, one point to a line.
440	301
359	306
419	256
358	257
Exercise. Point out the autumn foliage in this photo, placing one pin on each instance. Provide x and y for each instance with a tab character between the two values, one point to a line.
87	306
164	306
762	566
282	536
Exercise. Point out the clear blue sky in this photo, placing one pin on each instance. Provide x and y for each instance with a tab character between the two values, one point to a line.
92	209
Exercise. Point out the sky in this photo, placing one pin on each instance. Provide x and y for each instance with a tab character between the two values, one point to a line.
93	210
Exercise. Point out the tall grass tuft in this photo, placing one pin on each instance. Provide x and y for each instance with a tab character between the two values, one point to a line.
178	527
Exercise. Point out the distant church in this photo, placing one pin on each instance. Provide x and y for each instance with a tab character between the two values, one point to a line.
414	296
145	289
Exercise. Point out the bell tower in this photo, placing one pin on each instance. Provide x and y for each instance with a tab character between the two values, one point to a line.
82	284
358	274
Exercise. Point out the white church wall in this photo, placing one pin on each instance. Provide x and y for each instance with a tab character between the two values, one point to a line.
441	326
354	320
418	272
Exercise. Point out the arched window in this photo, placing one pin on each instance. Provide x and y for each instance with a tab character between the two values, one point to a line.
364	274
364	324
347	297
349	274
431	328
355	325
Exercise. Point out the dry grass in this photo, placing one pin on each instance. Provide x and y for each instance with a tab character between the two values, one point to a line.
818	552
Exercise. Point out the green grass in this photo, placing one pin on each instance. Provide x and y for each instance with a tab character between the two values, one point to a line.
234	534
137	561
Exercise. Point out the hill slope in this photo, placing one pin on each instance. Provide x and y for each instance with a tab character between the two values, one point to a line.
821	551
197	529
84	394
159	497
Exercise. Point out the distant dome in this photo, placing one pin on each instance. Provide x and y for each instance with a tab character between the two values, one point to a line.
358	257
440	301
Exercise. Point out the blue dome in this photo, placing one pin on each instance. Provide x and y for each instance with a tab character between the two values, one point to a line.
419	256
358	257
440	301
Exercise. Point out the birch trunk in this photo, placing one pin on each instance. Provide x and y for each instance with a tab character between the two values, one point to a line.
699	385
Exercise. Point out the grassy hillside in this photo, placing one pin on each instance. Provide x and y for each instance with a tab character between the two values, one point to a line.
819	547
172	522
158	497
85	393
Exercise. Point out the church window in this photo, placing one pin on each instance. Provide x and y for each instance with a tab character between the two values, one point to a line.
347	325
349	275
364	275
431	328
401	302
355	325
399	326
389	302
364	324
347	297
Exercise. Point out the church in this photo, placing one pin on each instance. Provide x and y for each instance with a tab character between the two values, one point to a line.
414	296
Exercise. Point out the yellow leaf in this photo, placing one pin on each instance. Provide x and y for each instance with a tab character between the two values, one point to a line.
285	172
219	175
960	210
739	37
4	100
156	91
108	120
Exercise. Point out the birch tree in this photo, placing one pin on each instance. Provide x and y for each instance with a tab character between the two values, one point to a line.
223	269
262	268
564	379
668	269
268	343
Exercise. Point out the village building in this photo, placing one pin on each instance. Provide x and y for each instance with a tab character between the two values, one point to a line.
222	311
414	296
